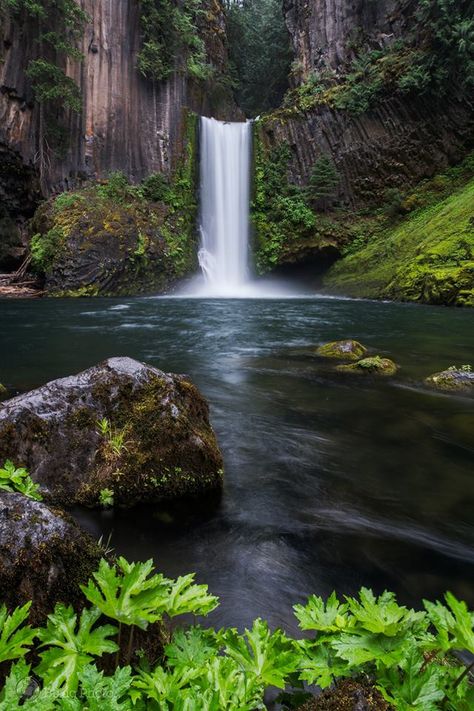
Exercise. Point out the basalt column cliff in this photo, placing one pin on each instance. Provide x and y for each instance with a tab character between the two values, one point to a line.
127	121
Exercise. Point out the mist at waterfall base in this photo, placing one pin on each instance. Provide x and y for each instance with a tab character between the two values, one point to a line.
224	252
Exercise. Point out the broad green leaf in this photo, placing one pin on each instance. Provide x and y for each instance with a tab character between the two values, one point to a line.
415	686
269	657
187	598
126	593
193	647
17	479
15	639
323	617
13	692
69	651
319	664
162	686
106	692
383	615
454	624
360	649
233	688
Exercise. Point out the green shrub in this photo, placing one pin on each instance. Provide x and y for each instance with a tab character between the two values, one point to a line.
44	249
14	478
155	187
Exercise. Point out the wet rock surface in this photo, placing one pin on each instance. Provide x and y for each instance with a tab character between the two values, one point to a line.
342	350
452	380
44	555
371	366
122	427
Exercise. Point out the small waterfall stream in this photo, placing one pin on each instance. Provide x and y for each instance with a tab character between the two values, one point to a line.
225	195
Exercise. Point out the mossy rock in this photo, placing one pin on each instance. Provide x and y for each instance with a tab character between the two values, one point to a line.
3	391
342	350
452	380
374	365
158	444
44	556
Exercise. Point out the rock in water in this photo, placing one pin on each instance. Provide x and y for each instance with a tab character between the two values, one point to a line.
121	431
44	556
342	350
371	366
453	380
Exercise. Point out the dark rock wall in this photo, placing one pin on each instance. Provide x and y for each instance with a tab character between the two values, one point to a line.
128	123
324	32
396	144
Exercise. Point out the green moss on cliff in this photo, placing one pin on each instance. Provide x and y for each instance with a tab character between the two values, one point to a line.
115	238
428	256
286	226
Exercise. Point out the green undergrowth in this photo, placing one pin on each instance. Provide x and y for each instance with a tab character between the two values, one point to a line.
286	223
99	658
419	248
113	237
435	54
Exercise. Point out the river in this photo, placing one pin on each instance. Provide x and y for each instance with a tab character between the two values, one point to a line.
331	483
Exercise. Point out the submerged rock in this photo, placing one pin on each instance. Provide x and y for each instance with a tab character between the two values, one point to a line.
453	380
3	391
342	350
374	365
44	556
121	431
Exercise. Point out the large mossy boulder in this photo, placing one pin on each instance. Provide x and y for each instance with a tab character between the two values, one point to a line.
44	556
459	380
375	365
342	350
121	431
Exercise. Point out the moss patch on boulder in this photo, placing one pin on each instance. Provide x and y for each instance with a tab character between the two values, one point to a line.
375	365
122	427
44	556
453	380
342	350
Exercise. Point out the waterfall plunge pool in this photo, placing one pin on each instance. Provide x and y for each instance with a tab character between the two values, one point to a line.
329	483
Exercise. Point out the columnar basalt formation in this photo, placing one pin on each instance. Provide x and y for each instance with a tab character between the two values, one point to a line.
397	142
127	122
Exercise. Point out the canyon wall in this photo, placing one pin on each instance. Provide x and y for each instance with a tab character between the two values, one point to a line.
127	122
400	140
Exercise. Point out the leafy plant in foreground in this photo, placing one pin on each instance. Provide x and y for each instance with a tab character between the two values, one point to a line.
15	638
14	478
408	655
69	650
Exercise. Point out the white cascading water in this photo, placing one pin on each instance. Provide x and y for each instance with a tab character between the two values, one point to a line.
225	196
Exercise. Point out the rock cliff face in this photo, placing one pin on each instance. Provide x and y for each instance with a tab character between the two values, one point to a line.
395	144
127	123
324	31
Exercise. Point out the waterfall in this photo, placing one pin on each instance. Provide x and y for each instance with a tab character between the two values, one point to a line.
225	196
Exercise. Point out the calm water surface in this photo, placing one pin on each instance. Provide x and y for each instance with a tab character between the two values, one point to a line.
330	482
